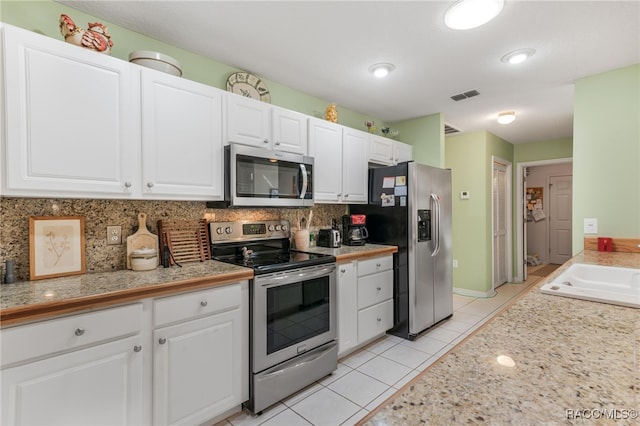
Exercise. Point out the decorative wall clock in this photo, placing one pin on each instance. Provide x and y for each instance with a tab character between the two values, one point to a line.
248	85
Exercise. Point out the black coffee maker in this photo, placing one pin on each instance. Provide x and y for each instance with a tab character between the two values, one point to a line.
354	232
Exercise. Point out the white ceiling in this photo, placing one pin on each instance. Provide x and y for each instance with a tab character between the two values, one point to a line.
324	48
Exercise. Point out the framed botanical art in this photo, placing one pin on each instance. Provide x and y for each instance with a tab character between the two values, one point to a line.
56	246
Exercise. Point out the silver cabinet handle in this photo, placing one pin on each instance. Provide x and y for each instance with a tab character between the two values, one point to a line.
379	288
203	303
79	331
266	141
149	184
379	319
343	270
277	143
378	265
127	184
346	195
162	340
137	348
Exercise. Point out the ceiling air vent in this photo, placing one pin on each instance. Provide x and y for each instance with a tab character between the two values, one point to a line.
449	129
465	95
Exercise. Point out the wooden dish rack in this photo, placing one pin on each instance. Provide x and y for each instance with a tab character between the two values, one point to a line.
188	241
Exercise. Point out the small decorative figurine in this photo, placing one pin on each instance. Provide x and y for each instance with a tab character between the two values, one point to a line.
331	113
370	125
385	131
96	37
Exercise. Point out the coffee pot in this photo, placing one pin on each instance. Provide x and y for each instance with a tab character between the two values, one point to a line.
354	232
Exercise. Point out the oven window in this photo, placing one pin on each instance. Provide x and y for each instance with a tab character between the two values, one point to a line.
297	312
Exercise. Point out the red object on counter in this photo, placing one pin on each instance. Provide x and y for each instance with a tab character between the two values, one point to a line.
605	244
358	219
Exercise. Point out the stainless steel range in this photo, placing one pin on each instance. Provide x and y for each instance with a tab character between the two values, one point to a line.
292	308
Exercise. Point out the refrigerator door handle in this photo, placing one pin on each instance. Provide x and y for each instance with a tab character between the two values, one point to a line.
436	223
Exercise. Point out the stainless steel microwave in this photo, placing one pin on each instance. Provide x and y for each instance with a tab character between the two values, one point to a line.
257	177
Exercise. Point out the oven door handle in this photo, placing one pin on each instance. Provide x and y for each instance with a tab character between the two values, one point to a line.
293	276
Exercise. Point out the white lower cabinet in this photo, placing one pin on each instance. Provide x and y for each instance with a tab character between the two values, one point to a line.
179	359
365	302
50	376
347	307
198	361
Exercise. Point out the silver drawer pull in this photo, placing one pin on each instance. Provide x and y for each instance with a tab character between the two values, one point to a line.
127	184
379	319
203	303
79	331
379	288
378	265
137	348
162	340
343	270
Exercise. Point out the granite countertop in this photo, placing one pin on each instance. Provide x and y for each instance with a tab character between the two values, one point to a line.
569	355
345	253
33	300
30	300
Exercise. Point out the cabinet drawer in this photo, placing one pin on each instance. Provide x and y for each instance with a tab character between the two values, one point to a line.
374	289
48	337
375	321
377	264
191	305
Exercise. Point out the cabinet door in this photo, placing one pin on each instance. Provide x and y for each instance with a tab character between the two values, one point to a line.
248	121
101	385
289	130
347	284
325	146
381	150
197	369
403	152
354	166
72	119
182	153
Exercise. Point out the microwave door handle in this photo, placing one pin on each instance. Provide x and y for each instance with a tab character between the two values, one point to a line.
303	190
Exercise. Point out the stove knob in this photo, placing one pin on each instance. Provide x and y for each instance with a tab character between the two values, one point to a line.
284	227
228	230
278	227
270	228
219	230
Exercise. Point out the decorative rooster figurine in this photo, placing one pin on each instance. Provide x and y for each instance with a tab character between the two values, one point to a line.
96	37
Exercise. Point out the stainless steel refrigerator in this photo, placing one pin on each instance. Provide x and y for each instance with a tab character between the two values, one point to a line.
410	207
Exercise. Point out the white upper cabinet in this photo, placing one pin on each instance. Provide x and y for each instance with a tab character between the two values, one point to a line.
72	119
325	146
182	152
340	162
387	151
255	123
355	172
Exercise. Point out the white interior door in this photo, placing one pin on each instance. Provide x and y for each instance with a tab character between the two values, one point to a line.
560	222
500	228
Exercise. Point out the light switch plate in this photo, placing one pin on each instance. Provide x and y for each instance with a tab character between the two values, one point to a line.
590	226
464	195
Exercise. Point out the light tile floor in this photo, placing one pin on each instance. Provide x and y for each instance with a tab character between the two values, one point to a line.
365	379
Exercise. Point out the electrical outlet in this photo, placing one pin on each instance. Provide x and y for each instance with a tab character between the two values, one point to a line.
590	226
455	263
114	235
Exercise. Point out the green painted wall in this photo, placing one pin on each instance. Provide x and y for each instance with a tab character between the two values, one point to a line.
42	17
606	153
426	134
545	150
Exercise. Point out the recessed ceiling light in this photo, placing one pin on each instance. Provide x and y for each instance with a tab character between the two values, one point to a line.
518	56
506	117
467	14
381	70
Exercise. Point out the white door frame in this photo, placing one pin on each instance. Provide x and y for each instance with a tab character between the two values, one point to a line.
509	213
520	260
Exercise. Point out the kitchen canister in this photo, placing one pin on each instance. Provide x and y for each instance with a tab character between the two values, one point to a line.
144	259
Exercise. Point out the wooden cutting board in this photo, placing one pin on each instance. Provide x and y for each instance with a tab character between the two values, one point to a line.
141	239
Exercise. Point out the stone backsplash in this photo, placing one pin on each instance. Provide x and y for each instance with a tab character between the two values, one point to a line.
98	214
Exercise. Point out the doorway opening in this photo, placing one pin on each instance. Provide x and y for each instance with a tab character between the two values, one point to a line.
543	214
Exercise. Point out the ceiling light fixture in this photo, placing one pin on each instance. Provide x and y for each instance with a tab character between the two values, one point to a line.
506	117
467	14
518	56
381	70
